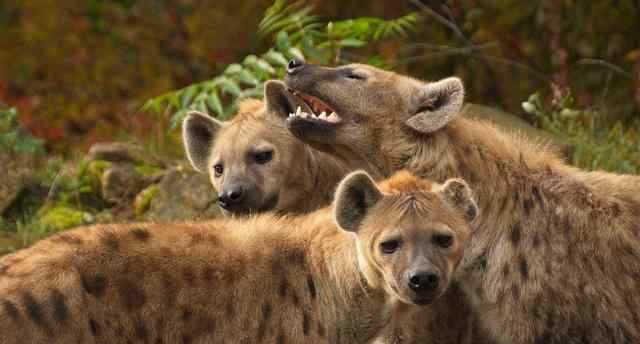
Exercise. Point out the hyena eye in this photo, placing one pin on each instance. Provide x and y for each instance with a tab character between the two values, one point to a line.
443	240
218	169
390	246
263	157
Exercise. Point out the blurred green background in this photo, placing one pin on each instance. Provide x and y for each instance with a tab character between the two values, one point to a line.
74	73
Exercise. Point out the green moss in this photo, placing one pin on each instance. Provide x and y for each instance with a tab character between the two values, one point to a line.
61	217
143	200
148	170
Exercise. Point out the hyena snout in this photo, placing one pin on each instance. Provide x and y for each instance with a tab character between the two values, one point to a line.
424	282
233	196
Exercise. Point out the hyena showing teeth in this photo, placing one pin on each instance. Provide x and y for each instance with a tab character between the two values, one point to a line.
555	252
265	279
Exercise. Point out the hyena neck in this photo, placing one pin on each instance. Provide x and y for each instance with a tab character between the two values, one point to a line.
324	169
353	311
507	174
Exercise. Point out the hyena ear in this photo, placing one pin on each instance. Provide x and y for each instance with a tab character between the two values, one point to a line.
355	196
275	98
438	103
199	131
458	194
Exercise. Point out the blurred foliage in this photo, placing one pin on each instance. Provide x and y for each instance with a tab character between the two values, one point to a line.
598	144
14	138
79	71
297	34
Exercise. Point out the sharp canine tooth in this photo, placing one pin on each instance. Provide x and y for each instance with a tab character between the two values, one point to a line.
303	114
323	115
298	110
333	117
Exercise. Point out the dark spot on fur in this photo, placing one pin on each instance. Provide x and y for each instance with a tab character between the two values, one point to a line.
312	286
67	239
524	268
296	257
230	309
322	332
536	194
141	234
515	234
266	317
34	310
472	211
170	289
207	274
109	239
506	270
306	323
189	276
141	330
281	338
515	292
94	327
186	339
294	297
536	240
11	310
95	285
284	285
527	204
196	238
131	295
516	195
186	314
59	307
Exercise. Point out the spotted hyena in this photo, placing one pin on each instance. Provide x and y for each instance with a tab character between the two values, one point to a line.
555	252
341	274
256	165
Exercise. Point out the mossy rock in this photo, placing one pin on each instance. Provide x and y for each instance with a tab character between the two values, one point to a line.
61	217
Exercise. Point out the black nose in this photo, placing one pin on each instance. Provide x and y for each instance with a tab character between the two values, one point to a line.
231	196
424	281
294	65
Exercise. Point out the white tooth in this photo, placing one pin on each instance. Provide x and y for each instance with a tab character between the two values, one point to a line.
323	116
333	118
303	114
298	110
291	114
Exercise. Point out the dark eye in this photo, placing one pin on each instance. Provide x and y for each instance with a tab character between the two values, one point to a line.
443	240
390	246
218	169
263	157
356	76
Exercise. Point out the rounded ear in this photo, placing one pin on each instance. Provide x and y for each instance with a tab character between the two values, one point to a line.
275	98
458	194
355	196
199	131
438	103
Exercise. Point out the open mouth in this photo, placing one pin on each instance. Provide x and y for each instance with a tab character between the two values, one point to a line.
314	110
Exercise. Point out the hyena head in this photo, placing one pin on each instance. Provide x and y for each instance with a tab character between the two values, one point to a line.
253	162
364	104
410	232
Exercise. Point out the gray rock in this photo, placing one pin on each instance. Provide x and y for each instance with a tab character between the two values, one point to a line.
121	182
183	195
122	152
17	172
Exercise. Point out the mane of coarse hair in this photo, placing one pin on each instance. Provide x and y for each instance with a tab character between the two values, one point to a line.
249	109
404	182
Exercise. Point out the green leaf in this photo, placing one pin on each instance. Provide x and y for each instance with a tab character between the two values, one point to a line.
265	66
187	95
247	77
295	52
282	41
213	101
229	86
351	42
177	118
233	69
276	58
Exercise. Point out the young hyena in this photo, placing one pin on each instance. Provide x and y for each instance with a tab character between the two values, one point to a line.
264	279
555	253
256	165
